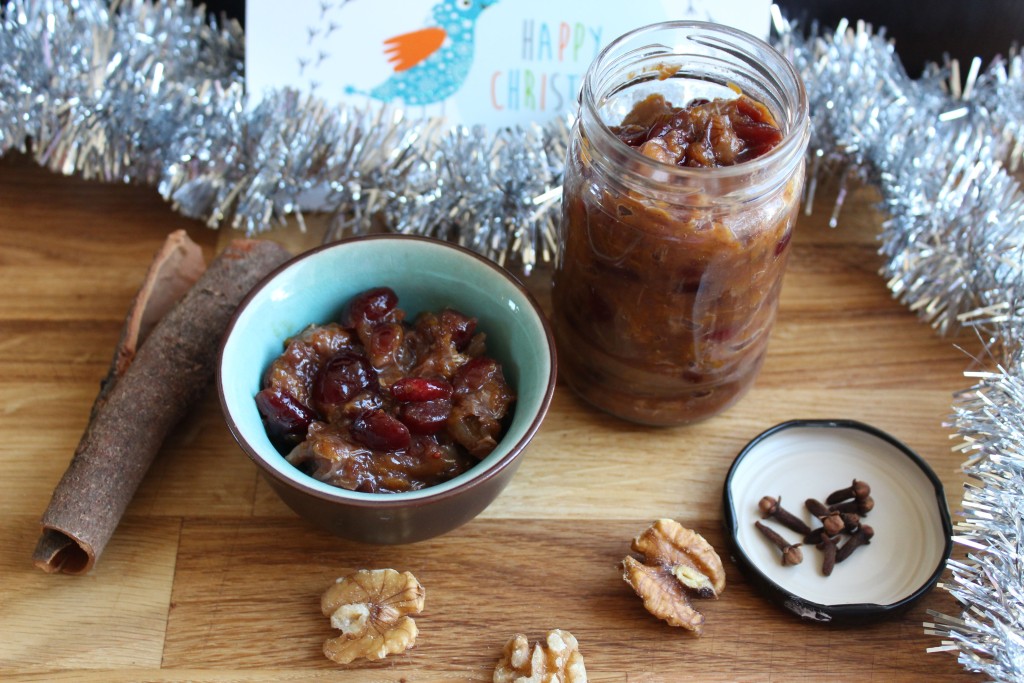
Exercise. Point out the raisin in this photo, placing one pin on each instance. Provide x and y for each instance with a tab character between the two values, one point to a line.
459	327
701	153
660	126
758	136
481	400
477	374
426	417
702	134
632	135
285	418
420	389
340	379
384	344
753	110
380	431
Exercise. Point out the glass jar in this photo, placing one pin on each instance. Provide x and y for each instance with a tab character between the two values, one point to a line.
667	278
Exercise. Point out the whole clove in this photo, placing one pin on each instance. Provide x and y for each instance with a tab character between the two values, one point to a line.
851	521
816	536
858	490
827	546
839	515
772	507
860	507
816	507
791	553
831	521
862	537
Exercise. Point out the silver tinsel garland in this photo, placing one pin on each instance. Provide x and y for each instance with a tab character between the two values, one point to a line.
154	94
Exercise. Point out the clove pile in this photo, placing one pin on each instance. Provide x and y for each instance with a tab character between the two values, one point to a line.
840	531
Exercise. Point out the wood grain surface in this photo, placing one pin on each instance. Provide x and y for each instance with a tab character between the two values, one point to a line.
211	578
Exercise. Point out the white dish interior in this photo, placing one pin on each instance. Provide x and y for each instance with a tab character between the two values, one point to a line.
800	462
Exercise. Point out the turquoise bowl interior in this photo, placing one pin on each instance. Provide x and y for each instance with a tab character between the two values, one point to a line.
427	275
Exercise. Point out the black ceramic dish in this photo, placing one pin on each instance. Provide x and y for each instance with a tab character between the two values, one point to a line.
810	459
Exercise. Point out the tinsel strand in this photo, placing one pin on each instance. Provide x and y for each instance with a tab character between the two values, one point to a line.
954	248
153	93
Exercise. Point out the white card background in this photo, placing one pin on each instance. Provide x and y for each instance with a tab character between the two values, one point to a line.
526	58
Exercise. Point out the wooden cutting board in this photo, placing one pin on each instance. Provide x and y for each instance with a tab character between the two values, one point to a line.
211	578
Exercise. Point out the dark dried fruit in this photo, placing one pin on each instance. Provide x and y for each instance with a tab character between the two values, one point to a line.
373	305
419	389
380	431
781	245
385	341
758	136
366	407
426	417
704	133
285	418
340	379
460	328
480	400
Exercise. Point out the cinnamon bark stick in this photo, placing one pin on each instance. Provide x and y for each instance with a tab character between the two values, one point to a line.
133	416
175	268
173	271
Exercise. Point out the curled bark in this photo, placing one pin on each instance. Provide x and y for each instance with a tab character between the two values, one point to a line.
140	403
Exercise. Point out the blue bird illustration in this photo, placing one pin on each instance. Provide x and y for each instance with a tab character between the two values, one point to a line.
431	63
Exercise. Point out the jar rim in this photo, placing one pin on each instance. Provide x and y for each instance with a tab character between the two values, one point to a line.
794	139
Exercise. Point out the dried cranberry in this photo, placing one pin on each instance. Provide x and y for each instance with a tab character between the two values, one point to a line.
285	418
784	242
426	417
341	378
373	305
419	389
380	431
722	334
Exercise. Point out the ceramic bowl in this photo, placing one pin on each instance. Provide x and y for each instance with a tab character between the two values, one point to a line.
805	459
427	275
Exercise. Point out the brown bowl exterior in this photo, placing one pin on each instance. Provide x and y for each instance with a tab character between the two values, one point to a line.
398	518
407	522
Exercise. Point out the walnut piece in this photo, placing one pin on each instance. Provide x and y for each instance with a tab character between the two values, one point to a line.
677	563
371	609
557	660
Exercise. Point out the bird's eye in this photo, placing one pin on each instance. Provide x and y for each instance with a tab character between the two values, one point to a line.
463	4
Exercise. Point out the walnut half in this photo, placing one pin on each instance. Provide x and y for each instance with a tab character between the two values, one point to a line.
371	609
677	563
557	660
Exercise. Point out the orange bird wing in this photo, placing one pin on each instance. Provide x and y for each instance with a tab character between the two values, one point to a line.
409	49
